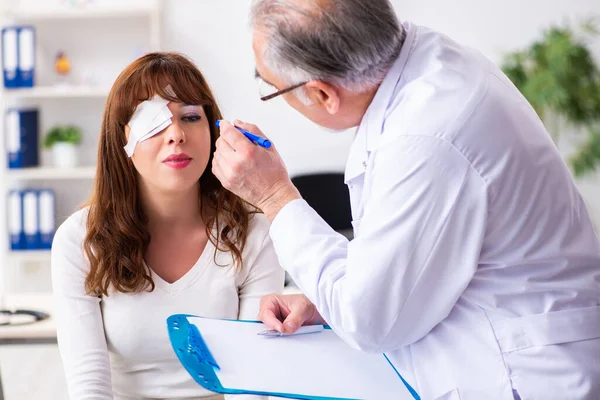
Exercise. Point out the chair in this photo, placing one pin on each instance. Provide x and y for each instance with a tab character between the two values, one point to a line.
328	195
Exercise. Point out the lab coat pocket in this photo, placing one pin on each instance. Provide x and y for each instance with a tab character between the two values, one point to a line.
564	345
546	329
451	395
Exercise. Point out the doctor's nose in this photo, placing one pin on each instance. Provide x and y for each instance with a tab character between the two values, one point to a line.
175	135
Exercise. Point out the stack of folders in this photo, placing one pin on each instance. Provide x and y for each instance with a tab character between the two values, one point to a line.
18	56
31	219
22	132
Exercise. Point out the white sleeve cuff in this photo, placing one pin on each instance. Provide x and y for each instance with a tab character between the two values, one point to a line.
287	217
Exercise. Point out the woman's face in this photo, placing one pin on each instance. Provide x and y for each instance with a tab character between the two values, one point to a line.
174	159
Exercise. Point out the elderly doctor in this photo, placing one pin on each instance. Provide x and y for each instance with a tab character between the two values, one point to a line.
475	265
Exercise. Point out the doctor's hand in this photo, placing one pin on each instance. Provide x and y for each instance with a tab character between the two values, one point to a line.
255	174
287	313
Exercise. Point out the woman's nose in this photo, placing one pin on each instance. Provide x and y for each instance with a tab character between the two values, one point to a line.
175	134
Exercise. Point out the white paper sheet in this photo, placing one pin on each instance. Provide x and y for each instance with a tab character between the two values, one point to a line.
317	364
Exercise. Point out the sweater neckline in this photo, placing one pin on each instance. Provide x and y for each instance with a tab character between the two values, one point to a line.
189	277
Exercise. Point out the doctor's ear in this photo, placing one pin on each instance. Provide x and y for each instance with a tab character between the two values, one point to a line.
324	94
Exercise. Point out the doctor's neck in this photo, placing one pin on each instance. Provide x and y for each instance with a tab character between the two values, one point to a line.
354	106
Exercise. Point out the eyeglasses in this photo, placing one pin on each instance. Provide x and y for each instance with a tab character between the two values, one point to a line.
268	91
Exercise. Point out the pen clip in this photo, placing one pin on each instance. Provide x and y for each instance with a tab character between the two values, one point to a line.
303	330
271	333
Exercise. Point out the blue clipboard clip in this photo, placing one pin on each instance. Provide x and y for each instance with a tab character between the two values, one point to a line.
193	352
196	344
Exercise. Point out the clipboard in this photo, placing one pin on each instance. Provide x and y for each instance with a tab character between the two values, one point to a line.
229	357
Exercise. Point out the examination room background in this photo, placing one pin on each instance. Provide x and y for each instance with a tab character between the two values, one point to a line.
216	35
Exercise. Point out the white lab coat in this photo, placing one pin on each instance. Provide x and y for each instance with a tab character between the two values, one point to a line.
474	265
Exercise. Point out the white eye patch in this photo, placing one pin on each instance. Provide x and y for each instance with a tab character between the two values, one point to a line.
150	117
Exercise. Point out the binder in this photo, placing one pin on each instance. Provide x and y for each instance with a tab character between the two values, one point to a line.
18	56
15	220
31	220
229	357
22	142
26	68
10	57
47	221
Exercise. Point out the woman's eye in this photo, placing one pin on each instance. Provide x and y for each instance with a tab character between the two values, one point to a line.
191	118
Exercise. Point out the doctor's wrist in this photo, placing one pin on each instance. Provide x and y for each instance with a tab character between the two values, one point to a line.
278	199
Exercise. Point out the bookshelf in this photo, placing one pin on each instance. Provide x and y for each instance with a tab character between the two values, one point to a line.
29	256
102	36
50	173
53	92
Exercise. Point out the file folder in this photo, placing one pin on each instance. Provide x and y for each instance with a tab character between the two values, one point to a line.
31	220
26	68
47	225
22	141
18	56
15	220
229	357
10	57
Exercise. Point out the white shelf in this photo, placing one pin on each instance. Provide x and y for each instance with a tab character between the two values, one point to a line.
42	173
51	92
31	301
52	14
38	256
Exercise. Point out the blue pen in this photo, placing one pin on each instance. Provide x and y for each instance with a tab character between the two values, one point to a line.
261	141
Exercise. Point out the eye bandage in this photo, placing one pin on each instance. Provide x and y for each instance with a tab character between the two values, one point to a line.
150	117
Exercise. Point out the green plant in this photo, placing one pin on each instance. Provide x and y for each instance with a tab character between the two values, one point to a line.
62	134
561	80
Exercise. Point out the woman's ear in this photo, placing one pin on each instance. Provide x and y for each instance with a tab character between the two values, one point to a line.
325	95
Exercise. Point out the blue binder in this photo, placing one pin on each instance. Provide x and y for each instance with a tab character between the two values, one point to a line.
31	224
18	56
313	366
47	219
10	57
15	220
22	131
26	56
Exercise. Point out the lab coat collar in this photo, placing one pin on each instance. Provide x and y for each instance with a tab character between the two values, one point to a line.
369	131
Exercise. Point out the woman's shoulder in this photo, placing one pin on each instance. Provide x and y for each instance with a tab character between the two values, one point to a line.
257	235
258	227
259	223
73	229
68	258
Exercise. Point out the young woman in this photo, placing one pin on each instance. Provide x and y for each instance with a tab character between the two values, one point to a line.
159	236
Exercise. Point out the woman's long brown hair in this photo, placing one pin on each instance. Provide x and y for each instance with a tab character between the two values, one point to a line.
117	236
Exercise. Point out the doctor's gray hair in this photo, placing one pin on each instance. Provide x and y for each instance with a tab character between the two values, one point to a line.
348	43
